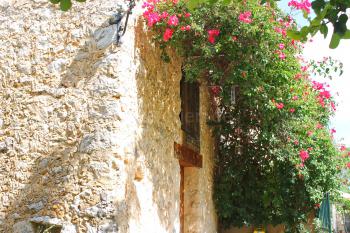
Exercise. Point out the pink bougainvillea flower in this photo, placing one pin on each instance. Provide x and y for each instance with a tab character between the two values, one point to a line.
173	20
187	15
145	5
317	85
321	101
333	131
333	106
296	142
279	105
309	133
342	148
281	31
304	68
234	38
348	165
319	126
295	97
281	46
165	15
215	90
292	110
304	155
152	18
281	55
310	149
212	34
168	34
298	76
325	94
245	17
185	28
303	5
175	1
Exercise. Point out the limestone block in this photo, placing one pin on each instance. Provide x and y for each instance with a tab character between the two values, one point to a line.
104	37
23	227
100	140
66	226
37	206
109	227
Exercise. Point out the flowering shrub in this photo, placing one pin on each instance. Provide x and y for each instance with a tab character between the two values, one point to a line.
276	155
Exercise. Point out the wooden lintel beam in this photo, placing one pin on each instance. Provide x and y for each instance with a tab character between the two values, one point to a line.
187	157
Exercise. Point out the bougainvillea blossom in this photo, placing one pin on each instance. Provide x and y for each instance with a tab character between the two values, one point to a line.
168	34
304	5
279	105
173	20
304	155
185	28
212	34
245	17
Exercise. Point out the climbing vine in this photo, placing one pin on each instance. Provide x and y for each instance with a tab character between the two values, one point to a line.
276	156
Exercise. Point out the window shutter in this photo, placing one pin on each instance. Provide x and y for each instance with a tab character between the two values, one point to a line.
190	111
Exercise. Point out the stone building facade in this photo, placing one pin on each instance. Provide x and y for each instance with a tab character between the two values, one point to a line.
87	131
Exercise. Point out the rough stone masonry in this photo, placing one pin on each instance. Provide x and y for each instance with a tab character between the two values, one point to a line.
87	128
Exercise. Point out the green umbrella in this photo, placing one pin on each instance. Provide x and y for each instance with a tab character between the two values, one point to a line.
324	214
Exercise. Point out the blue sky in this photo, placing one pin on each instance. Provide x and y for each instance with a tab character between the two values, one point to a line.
339	85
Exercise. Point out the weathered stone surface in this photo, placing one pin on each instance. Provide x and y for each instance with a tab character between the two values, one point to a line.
104	37
36	206
99	140
23	227
87	128
66	227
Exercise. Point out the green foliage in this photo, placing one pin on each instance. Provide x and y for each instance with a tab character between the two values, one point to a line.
65	5
329	12
260	178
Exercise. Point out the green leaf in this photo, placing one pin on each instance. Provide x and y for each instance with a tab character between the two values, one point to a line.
55	1
191	4
304	31
80	0
334	41
226	2
294	34
305	14
340	28
343	18
324	30
65	5
317	5
332	15
346	35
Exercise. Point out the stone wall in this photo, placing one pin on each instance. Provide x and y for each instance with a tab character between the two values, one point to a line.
87	130
199	207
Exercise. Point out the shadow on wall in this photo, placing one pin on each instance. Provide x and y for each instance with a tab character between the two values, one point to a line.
66	186
71	184
90	56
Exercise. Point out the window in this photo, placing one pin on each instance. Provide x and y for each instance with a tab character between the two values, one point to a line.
189	92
